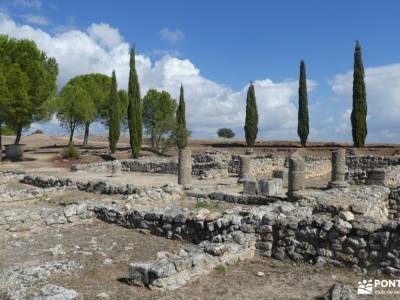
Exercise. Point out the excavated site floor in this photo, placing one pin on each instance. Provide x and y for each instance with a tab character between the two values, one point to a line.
94	258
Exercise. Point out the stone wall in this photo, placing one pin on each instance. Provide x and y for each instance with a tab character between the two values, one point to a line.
100	187
282	232
170	271
359	166
317	167
211	165
21	219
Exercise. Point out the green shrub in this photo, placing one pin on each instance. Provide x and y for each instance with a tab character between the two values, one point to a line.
220	269
70	152
38	131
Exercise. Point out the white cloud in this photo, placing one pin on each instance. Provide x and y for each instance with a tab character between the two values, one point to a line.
37	4
105	35
383	90
209	105
35	19
172	36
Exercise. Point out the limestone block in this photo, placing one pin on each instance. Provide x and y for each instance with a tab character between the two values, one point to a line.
138	274
116	168
270	187
250	186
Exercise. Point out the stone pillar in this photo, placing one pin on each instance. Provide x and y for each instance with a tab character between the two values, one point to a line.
244	167
296	175
185	166
116	168
338	179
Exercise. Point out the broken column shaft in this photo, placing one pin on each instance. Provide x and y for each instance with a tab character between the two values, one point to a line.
185	166
296	175
338	179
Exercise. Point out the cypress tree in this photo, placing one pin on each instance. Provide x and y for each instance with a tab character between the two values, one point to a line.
114	125
135	122
181	130
302	126
251	123
359	112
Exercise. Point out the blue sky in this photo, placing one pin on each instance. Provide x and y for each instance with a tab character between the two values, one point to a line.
215	47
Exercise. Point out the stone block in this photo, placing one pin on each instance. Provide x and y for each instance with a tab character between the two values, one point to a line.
250	187
138	274
270	187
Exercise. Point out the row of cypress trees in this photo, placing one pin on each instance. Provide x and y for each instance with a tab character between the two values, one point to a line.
135	122
358	115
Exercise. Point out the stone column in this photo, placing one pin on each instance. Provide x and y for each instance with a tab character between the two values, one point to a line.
185	166
296	175
338	179
116	168
244	167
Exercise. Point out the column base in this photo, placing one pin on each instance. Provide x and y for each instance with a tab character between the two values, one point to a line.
338	185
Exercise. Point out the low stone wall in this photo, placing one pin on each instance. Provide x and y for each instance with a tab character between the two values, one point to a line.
283	231
170	271
100	187
236	198
394	203
360	166
21	219
212	165
317	167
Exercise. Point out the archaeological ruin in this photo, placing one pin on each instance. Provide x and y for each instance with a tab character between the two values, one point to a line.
228	208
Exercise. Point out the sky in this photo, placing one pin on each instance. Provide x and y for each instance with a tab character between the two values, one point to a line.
214	48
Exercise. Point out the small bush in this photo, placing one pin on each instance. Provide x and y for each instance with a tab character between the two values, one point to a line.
220	269
38	131
225	133
70	152
7	131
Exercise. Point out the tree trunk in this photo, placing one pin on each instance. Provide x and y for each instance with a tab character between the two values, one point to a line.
71	136
86	137
19	133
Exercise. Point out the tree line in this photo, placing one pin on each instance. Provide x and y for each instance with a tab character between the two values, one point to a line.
358	114
28	94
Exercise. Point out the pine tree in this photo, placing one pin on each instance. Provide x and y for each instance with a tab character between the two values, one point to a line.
114	124
135	122
359	112
181	130
251	123
302	126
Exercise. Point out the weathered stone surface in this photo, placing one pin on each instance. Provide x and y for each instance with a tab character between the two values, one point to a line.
185	166
54	292
244	171
271	187
116	168
296	174
340	291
